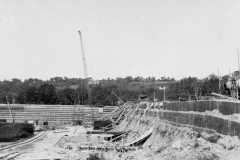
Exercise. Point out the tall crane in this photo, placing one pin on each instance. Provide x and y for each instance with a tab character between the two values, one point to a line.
85	69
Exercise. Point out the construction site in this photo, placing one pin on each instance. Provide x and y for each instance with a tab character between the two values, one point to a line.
201	125
162	80
204	129
207	128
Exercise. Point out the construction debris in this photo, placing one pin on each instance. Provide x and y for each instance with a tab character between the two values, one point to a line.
117	116
141	138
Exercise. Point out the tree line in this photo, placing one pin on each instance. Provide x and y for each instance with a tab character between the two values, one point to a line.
69	91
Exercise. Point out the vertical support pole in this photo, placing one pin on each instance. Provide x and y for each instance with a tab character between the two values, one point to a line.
74	113
238	64
219	83
78	91
238	75
153	96
10	109
164	93
82	92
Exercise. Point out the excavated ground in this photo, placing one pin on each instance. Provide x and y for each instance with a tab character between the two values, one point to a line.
170	142
166	142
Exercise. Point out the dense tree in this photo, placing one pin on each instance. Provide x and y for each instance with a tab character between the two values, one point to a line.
32	95
211	84
62	90
66	96
21	98
47	94
189	87
129	79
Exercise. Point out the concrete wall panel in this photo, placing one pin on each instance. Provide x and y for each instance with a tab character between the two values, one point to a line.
224	107
199	121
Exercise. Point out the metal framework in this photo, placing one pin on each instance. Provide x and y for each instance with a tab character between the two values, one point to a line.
123	112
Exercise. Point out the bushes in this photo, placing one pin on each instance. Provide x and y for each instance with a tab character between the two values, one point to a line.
13	131
12	107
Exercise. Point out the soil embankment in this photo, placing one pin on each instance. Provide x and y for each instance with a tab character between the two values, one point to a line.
171	142
13	131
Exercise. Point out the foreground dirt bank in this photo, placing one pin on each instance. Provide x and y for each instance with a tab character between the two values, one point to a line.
170	142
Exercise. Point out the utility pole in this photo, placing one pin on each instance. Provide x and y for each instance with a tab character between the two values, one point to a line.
238	64
219	83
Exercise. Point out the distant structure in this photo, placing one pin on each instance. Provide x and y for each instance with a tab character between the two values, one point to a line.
94	82
73	86
143	98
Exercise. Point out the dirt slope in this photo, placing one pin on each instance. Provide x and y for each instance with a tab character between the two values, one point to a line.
176	143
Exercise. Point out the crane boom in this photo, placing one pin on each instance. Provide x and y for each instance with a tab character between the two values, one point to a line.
83	56
85	69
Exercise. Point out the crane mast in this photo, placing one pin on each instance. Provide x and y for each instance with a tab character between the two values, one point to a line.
83	56
85	69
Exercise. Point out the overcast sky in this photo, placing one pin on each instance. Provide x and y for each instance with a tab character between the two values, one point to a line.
171	38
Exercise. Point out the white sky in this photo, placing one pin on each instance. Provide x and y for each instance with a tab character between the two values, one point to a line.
171	38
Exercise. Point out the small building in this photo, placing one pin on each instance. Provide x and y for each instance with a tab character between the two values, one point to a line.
143	98
94	82
75	86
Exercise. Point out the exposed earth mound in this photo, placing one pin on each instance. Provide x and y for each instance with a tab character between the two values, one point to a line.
13	131
170	142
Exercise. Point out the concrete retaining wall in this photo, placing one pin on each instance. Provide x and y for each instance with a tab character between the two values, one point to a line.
192	114
198	121
224	107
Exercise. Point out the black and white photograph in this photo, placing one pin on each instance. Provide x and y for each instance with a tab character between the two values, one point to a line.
119	80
